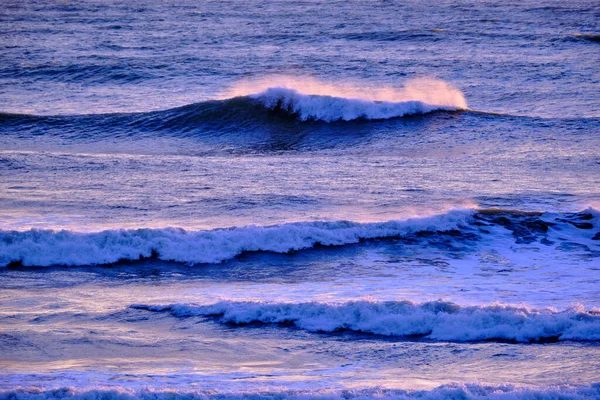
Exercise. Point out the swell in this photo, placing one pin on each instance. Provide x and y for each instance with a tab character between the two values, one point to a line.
436	320
91	73
576	233
590	37
452	391
273	120
271	107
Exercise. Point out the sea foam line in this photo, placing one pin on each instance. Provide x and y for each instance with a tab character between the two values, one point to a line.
436	320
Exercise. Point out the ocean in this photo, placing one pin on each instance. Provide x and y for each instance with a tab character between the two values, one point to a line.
299	199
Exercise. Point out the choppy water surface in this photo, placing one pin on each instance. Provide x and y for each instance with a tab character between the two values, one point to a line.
299	199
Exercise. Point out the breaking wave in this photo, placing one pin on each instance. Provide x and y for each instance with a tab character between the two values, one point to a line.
249	109
452	391
329	108
437	320
571	232
309	99
47	248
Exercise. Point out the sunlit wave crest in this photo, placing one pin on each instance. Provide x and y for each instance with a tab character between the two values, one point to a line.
310	99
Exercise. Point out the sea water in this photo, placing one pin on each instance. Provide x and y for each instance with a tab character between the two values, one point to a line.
299	199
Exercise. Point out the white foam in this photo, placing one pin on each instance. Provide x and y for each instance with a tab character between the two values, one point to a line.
330	108
438	320
452	391
310	98
47	247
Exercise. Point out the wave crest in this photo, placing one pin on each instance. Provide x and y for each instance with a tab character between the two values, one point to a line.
437	320
312	100
330	109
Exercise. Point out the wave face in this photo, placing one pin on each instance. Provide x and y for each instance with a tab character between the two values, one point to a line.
438	320
42	248
455	391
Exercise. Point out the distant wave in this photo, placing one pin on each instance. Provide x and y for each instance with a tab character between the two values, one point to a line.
251	109
591	37
445	392
437	320
271	120
576	232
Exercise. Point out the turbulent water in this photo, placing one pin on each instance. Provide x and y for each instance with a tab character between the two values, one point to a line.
299	199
